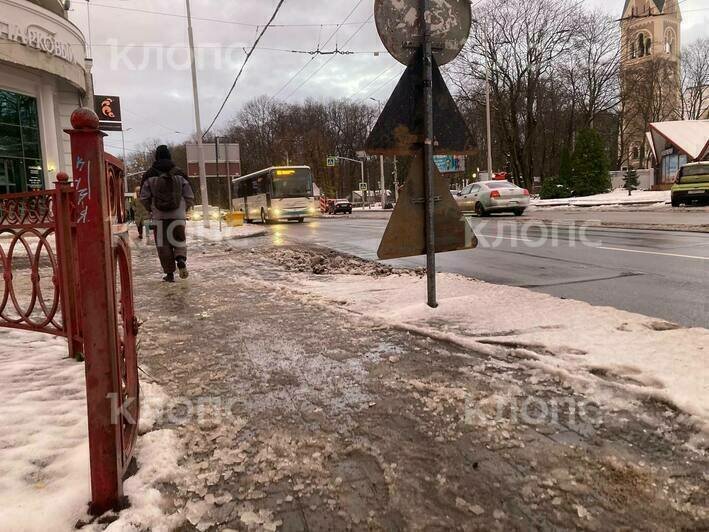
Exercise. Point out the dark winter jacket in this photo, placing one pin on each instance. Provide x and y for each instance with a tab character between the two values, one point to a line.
147	187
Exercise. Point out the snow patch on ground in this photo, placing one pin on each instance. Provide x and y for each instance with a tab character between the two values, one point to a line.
197	231
617	197
44	449
157	454
606	346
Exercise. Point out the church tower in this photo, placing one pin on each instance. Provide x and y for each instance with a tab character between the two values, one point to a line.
650	73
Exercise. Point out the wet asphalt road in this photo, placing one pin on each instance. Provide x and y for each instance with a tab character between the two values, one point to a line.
657	273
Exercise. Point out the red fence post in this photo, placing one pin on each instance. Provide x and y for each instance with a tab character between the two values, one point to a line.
66	253
98	308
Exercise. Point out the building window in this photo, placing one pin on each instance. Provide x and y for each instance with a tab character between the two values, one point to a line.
635	153
669	41
20	147
642	45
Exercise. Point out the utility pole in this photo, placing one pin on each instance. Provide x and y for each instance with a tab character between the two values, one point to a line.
198	122
396	180
489	123
125	160
383	184
88	17
427	58
381	162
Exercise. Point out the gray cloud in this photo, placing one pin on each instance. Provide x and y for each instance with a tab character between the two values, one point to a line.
153	78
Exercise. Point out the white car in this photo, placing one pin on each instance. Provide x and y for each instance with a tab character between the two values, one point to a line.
487	197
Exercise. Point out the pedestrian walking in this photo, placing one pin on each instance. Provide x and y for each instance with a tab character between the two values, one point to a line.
168	195
141	215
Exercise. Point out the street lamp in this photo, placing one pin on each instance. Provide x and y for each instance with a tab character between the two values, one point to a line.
487	112
381	163
198	120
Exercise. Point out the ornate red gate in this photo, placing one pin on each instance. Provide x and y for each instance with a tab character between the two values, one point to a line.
66	269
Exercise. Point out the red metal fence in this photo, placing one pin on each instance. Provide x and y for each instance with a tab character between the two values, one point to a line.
66	268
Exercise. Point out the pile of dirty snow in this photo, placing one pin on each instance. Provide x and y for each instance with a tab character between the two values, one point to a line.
323	261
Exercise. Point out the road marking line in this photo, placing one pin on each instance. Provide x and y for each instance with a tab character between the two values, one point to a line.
653	253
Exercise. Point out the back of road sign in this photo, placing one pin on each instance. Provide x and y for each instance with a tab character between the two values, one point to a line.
405	235
399	129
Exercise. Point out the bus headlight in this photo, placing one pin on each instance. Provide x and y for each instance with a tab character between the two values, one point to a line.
276	213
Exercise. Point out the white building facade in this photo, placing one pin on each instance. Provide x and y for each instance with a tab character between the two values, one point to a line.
44	76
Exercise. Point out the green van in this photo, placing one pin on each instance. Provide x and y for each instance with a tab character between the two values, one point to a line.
692	184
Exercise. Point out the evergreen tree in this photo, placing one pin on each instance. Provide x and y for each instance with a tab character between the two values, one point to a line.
589	165
565	168
630	180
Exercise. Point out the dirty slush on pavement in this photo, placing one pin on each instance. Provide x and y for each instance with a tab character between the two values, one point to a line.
312	418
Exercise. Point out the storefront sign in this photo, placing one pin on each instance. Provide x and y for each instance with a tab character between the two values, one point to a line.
37	37
35	181
108	109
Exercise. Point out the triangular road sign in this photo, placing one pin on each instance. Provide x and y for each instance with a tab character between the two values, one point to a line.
405	235
399	130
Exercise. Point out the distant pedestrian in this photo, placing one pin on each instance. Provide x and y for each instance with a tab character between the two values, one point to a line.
167	193
141	215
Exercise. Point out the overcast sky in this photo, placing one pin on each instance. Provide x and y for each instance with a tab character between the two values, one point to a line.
143	57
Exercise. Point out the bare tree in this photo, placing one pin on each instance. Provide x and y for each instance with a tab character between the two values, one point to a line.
275	133
520	46
591	71
695	80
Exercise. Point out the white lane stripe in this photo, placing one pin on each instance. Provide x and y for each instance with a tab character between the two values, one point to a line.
676	255
653	253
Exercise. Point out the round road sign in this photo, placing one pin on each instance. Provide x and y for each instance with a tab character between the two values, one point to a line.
399	26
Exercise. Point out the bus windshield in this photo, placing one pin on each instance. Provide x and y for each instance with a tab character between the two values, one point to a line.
292	183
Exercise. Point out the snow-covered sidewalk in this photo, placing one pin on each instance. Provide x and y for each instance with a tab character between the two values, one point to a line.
618	197
44	448
197	231
591	347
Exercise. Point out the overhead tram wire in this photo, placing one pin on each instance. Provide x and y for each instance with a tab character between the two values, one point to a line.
374	80
396	77
219	21
329	60
243	66
332	35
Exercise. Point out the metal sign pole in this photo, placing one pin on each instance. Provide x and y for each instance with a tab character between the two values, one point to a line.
428	152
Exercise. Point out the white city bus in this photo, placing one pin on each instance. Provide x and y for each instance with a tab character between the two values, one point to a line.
276	193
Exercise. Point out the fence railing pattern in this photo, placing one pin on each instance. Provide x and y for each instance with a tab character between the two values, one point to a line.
31	209
49	242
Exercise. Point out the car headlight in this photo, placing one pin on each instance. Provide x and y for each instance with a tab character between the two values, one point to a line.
276	213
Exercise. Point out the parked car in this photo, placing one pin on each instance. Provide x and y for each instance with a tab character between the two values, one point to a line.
692	184
487	197
340	205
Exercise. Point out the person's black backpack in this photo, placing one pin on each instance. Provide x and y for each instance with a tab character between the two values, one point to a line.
168	192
